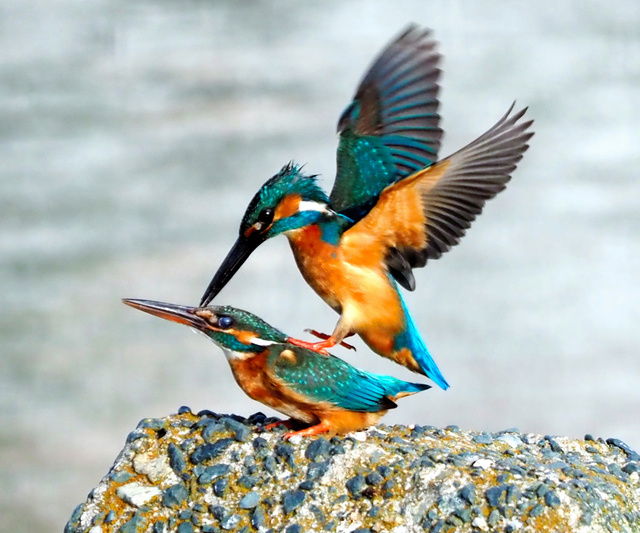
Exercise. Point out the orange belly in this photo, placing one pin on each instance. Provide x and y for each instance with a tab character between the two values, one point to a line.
259	384
359	289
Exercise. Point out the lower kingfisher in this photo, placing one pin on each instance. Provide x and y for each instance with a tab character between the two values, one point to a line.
393	205
327	393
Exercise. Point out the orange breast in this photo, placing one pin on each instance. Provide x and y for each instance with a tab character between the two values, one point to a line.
353	282
255	380
319	264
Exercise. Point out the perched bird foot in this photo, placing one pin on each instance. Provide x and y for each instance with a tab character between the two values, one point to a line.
318	429
318	347
289	424
325	336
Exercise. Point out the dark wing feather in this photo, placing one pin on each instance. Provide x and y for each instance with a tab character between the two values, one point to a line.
391	128
424	215
473	175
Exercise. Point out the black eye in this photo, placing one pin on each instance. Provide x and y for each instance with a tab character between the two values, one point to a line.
266	216
225	322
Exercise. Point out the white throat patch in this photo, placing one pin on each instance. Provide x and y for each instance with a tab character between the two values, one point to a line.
312	206
232	355
262	342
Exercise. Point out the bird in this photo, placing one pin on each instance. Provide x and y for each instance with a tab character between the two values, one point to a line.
325	393
393	205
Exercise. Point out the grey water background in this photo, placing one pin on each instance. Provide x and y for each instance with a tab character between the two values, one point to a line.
132	136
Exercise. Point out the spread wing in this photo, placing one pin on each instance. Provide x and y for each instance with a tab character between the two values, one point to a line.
390	129
422	216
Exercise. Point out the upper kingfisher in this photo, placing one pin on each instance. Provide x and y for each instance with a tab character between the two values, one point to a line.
392	206
327	393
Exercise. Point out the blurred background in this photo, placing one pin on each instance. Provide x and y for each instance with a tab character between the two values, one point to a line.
133	135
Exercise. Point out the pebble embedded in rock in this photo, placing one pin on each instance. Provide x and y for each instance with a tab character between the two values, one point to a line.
317	470
551	499
121	476
210	450
185	527
468	493
292	499
355	485
137	494
212	430
213	472
176	459
537	510
318	449
175	495
494	495
135	524
230	522
248	482
494	518
374	478
258	518
220	487
306	485
250	500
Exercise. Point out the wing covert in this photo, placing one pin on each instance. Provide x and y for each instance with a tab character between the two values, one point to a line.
332	381
391	128
424	215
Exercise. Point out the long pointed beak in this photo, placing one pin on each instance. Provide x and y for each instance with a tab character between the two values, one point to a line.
236	257
181	314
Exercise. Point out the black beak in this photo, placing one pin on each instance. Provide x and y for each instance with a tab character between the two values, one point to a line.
181	314
236	257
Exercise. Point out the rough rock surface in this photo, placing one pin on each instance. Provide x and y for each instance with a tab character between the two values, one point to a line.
215	473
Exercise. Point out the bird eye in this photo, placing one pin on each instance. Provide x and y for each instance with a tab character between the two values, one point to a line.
225	322
266	215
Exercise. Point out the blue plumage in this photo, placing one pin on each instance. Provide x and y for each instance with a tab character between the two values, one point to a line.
322	378
410	338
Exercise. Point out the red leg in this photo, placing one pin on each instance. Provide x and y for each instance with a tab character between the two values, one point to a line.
318	429
289	424
318	347
326	336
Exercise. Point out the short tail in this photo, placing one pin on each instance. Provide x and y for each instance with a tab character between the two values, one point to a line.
411	340
396	388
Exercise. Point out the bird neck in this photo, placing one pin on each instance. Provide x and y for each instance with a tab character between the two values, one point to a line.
328	230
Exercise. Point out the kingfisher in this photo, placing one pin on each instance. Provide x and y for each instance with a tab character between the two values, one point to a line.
326	393
393	205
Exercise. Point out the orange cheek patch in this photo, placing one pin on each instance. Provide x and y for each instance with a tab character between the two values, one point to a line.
245	337
287	207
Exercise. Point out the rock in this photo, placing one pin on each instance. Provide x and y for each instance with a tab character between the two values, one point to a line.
137	494
170	478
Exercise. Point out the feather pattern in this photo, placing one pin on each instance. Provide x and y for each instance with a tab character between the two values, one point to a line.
424	215
329	379
391	128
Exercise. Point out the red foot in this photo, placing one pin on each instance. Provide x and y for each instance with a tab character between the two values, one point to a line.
318	429
325	336
289	424
318	347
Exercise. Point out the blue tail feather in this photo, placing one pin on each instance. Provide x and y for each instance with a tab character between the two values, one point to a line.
394	386
411	339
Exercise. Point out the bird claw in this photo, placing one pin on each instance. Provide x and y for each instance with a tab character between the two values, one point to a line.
325	337
318	429
318	347
289	424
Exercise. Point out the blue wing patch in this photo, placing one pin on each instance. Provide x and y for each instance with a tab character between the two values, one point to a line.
391	128
328	379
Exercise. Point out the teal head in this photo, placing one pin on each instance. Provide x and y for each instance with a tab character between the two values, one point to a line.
288	201
236	331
